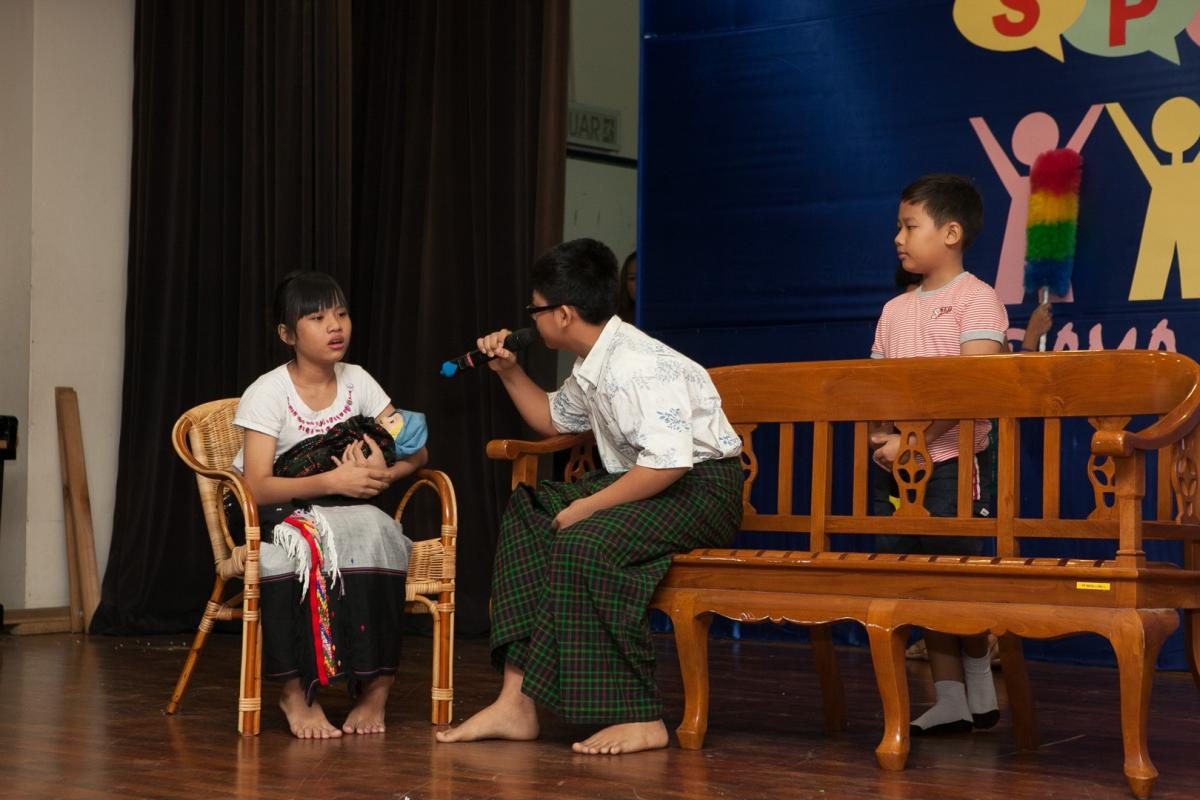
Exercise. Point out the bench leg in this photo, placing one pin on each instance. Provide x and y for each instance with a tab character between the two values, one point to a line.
833	695
887	654
1020	693
1137	636
1191	642
691	643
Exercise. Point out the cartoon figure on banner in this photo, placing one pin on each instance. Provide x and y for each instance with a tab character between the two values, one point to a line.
1174	206
1035	134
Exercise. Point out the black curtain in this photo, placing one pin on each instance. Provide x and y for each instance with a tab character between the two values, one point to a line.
416	151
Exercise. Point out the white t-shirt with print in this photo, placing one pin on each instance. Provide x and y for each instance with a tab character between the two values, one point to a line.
271	405
645	403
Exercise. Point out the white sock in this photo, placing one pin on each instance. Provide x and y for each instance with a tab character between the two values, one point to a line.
981	687
951	706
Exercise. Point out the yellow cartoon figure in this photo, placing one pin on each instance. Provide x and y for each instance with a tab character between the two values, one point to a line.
1173	213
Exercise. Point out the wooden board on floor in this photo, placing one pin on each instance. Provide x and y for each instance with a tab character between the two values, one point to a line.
77	510
22	621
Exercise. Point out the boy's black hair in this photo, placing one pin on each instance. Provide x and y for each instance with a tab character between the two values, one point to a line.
580	273
905	279
302	293
948	198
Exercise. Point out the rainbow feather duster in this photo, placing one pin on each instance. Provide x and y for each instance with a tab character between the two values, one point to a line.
1053	218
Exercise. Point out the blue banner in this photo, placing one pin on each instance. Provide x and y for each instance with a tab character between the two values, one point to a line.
777	136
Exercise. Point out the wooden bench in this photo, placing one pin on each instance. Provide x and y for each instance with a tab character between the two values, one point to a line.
796	412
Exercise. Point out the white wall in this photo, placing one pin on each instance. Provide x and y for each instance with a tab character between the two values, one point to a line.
76	64
16	258
601	199
604	61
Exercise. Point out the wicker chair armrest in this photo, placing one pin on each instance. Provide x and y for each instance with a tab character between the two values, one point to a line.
235	480
439	482
237	484
512	449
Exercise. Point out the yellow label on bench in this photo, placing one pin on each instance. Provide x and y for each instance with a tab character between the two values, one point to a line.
1095	587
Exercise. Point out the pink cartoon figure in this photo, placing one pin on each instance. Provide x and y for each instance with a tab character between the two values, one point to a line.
1035	134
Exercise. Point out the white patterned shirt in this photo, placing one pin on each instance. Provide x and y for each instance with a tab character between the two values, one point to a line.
646	404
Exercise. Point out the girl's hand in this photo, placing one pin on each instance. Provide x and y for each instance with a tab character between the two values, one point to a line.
1040	322
493	345
353	454
375	459
349	479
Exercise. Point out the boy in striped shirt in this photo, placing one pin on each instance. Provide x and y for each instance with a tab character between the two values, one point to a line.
951	313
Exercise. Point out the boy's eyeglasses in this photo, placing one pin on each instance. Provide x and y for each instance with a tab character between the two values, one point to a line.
533	311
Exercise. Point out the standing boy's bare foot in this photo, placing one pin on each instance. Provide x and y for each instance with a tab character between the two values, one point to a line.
510	717
629	737
367	714
306	722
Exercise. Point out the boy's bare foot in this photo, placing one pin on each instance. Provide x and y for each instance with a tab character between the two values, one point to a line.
367	714
629	737
512	718
306	722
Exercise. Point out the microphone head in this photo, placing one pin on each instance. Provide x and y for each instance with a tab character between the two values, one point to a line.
448	369
520	339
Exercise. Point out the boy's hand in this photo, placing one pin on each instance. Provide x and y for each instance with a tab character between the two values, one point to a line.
889	448
576	512
493	345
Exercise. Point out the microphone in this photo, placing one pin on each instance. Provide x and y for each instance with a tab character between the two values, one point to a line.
517	340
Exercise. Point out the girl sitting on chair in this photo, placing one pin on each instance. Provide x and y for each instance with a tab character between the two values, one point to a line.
333	566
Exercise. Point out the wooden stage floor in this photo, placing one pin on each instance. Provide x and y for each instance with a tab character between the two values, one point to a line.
82	719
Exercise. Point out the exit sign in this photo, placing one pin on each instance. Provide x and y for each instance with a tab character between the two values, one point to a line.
597	128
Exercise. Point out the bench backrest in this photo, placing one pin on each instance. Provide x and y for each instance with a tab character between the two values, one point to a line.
1106	388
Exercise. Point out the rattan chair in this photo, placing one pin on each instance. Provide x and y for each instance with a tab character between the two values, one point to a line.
207	441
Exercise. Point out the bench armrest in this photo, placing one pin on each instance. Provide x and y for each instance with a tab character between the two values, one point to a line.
512	449
1180	422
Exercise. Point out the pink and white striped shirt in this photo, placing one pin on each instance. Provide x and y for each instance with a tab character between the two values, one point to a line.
919	324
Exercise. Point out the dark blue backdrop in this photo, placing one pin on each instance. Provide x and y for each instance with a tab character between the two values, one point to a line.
776	137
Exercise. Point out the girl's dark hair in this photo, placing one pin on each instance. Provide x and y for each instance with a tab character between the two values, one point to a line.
302	293
580	273
625	309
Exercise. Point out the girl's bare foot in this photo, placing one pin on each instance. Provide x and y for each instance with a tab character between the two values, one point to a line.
367	714
629	737
512	718
306	722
